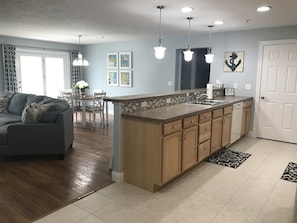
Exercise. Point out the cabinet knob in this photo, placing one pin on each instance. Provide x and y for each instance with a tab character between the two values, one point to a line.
262	97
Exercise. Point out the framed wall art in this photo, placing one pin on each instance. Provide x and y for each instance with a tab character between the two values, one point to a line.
233	61
125	77
112	61
112	78
125	60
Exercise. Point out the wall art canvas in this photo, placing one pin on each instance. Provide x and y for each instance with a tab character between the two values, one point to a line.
234	61
125	78
112	78
125	59
112	60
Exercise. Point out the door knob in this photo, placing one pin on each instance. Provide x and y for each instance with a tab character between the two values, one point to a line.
262	97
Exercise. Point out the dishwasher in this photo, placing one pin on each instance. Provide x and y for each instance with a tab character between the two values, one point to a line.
236	122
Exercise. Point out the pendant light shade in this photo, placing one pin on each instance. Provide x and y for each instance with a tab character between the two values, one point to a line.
209	56
188	54
160	50
80	60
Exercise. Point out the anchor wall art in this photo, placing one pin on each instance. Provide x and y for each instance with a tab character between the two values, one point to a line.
233	61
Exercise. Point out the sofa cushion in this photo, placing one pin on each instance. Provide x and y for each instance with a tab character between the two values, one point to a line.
33	98
17	103
33	112
52	113
6	118
4	100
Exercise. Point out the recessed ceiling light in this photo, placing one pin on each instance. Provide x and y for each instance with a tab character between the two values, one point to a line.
219	22
186	9
263	8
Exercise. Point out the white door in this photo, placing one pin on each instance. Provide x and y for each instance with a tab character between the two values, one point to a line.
277	115
42	73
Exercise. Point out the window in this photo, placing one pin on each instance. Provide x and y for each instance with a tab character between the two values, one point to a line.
42	72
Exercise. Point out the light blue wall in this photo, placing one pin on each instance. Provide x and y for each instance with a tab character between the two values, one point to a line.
152	75
31	44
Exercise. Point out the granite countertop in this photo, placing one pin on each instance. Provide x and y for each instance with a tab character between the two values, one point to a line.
171	112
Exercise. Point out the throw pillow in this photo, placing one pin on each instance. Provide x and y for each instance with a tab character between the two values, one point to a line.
33	112
4	100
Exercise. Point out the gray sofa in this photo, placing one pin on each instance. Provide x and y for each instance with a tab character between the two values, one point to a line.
34	125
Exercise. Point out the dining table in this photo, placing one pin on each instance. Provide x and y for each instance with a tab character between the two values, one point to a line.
83	101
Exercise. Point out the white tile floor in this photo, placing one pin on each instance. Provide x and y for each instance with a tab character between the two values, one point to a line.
252	193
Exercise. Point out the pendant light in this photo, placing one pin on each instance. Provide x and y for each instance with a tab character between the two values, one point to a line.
80	60
160	50
209	56
188	54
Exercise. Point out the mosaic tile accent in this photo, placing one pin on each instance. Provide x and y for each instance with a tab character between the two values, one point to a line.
290	173
229	158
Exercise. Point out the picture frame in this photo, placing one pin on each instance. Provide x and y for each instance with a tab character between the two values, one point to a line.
112	78
125	60
112	60
125	77
234	61
229	91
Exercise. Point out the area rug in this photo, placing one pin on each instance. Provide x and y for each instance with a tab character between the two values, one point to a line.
229	158
290	173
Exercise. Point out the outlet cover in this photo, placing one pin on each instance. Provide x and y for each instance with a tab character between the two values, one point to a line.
248	86
235	85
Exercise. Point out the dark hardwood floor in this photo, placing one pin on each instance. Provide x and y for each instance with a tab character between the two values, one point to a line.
34	186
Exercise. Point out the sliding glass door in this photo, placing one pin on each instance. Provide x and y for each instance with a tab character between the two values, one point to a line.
42	72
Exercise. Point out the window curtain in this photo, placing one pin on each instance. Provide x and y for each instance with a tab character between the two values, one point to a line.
9	70
75	70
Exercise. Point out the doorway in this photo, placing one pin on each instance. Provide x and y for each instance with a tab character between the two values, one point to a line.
193	74
277	92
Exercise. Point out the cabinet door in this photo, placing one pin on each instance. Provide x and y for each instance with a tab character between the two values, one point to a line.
226	133
204	131
189	147
216	134
171	156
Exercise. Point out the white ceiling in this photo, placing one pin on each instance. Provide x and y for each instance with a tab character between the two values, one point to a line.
100	21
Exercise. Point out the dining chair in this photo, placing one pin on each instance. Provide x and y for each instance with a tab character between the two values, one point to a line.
97	106
67	95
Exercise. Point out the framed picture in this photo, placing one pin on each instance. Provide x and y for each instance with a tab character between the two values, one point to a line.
112	78
125	78
125	60
233	61
112	61
229	91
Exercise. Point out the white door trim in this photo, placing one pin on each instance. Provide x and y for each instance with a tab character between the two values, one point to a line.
259	72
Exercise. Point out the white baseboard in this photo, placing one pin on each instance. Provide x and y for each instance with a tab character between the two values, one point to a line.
117	177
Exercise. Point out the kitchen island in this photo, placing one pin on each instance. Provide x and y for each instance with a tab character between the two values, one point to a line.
154	145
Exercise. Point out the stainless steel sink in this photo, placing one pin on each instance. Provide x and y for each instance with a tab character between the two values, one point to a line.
209	102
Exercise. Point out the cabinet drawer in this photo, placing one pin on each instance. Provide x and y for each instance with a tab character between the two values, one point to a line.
172	127
217	113
247	104
204	117
203	150
204	131
228	110
190	121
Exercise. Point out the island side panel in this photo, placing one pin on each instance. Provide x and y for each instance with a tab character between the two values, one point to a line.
142	149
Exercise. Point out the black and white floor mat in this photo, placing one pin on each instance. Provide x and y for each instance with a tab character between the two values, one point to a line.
290	173
229	158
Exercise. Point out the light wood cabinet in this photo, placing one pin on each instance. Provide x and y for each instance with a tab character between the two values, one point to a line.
246	117
171	155
227	123
189	143
216	130
204	135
